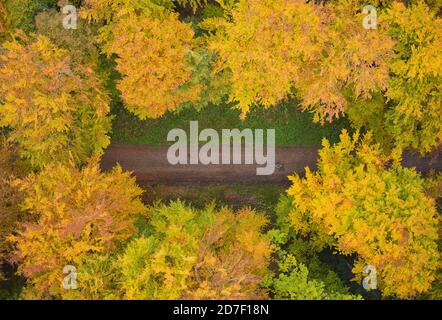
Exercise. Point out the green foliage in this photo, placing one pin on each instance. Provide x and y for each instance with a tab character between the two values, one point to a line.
211	11
194	4
292	126
301	275
157	267
106	11
96	279
182	253
295	283
213	87
21	13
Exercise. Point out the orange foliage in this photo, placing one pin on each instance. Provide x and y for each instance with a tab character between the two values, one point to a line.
74	213
232	258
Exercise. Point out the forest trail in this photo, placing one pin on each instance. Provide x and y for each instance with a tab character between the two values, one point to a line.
150	166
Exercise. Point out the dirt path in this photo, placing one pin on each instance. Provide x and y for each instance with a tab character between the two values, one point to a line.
150	166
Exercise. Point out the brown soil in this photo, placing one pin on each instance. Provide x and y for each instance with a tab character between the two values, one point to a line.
150	166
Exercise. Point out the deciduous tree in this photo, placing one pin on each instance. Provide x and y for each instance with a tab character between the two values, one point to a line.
161	45
3	17
275	49
197	254
11	167
360	205
415	118
80	42
56	108
74	213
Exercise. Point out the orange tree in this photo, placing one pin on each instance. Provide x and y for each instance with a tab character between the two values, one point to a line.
3	17
11	167
73	213
359	204
147	34
56	108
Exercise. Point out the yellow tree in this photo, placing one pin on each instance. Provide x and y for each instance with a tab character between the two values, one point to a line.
415	118
161	46
57	109
352	63
261	43
278	48
360	205
73	214
197	254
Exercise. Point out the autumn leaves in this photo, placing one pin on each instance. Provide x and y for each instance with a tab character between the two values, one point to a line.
265	52
57	108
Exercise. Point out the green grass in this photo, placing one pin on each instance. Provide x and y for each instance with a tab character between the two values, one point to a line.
292	126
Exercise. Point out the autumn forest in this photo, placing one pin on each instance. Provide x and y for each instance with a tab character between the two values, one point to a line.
356	83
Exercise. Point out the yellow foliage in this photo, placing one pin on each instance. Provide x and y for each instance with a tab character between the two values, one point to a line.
74	213
113	10
152	61
277	48
262	43
415	120
57	109
197	254
233	258
357	204
348	57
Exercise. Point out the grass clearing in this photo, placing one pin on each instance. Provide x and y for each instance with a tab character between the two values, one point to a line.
292	127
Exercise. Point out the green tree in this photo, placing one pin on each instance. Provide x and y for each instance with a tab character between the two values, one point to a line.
183	253
193	254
